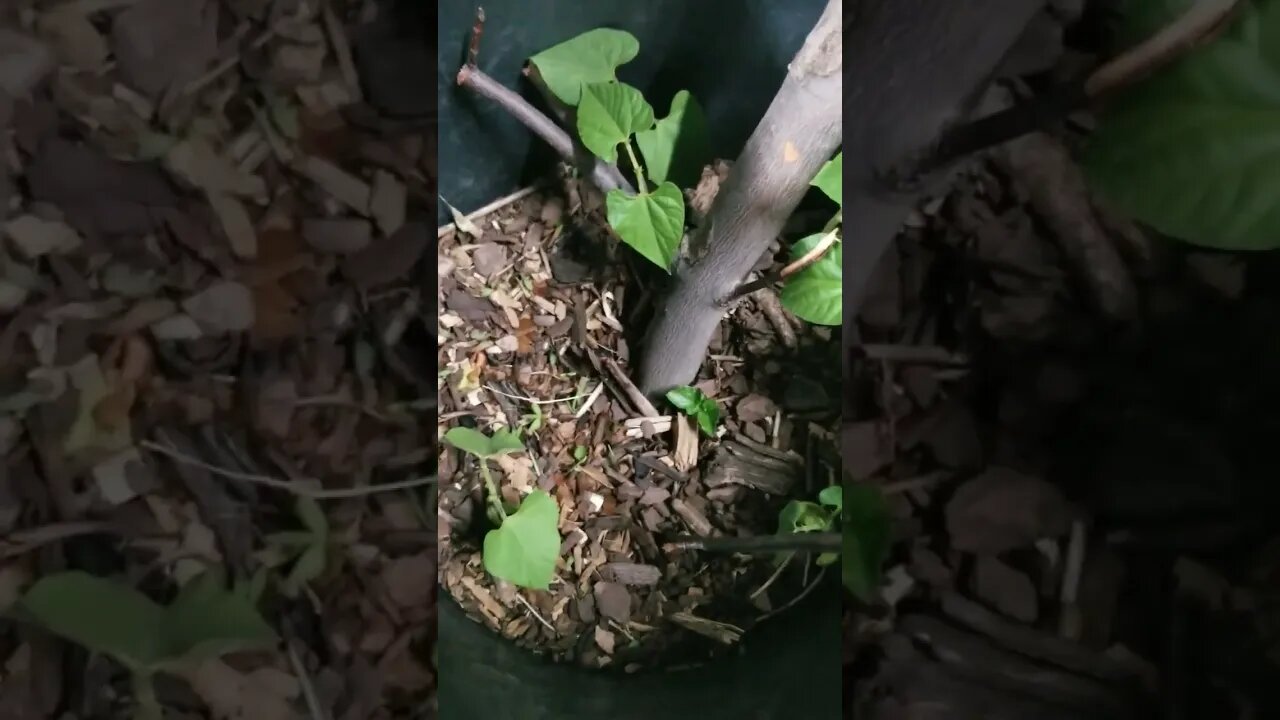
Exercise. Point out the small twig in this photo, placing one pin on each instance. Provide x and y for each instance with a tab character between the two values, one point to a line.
606	177
758	544
774	576
822	574
477	31
908	354
815	253
285	485
490	208
533	401
528	606
20	542
314	706
637	398
1196	26
342	51
1069	622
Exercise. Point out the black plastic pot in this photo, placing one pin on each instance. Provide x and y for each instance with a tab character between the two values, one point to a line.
732	56
789	667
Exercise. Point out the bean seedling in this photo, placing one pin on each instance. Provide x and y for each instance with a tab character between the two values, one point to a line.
692	402
203	622
525	546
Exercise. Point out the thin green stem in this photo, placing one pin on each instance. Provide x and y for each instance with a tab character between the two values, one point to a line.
144	694
635	165
491	490
834	222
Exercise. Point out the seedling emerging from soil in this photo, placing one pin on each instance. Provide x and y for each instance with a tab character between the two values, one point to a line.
203	622
309	548
866	539
803	516
692	402
525	546
782	159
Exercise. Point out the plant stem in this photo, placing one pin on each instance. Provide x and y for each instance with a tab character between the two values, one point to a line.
635	165
760	544
144	694
491	490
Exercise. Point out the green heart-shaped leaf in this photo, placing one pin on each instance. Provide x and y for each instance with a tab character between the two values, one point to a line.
525	549
651	223
866	540
608	115
676	148
505	441
101	615
830	179
816	293
207	620
833	497
483	446
469	441
106	616
1194	151
694	403
592	57
800	516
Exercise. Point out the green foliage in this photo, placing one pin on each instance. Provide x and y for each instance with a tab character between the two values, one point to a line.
582	72
650	222
309	548
477	443
676	147
1194	151
866	540
524	550
525	546
816	293
830	179
204	621
592	57
609	114
803	516
692	402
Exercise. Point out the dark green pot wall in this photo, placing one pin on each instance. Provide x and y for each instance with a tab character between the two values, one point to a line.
789	668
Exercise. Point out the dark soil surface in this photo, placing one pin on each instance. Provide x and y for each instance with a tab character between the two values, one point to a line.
1083	491
212	331
537	316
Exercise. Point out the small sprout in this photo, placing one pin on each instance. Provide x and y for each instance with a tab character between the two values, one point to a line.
580	454
309	549
204	621
692	402
525	547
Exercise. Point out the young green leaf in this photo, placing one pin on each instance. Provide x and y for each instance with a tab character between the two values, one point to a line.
121	622
866	540
652	223
207	620
608	115
1194	151
525	549
592	57
800	516
309	566
685	398
816	293
677	147
833	497
469	441
483	446
692	402
830	179
504	442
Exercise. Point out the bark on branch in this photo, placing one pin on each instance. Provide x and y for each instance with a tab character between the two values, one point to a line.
798	133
